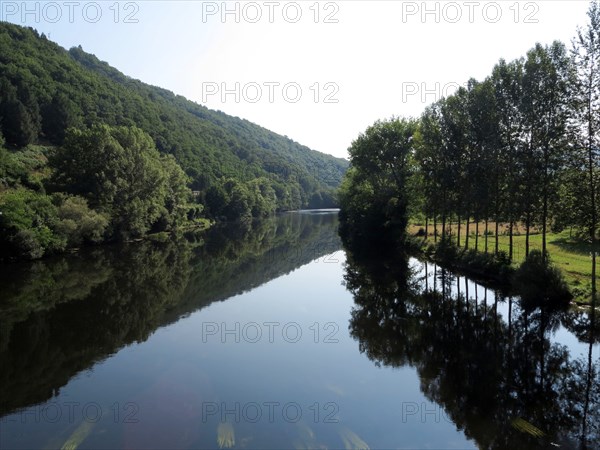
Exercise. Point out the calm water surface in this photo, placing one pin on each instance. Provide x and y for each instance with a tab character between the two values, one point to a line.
274	337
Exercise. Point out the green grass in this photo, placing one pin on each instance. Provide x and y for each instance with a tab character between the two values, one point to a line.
572	256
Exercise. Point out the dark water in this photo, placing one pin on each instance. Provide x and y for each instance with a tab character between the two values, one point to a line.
276	338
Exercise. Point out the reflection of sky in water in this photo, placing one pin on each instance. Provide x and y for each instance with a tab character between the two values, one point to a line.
183	377
322	371
302	382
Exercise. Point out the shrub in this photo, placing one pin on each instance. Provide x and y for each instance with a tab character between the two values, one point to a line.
78	223
446	251
540	283
27	223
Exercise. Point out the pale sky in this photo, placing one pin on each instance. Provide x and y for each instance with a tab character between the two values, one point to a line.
318	72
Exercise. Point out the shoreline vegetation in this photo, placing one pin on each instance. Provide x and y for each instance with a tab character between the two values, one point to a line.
514	157
497	271
89	155
568	253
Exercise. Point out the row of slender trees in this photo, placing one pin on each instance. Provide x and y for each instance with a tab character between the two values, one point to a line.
521	147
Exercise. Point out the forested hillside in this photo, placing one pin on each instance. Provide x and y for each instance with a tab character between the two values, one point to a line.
58	107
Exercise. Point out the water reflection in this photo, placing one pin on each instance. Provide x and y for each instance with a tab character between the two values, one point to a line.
59	317
503	382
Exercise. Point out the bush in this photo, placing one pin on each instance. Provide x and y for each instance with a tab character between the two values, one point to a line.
446	252
502	258
80	224
540	283
27	223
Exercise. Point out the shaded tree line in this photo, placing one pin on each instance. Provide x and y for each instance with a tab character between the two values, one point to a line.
521	147
102	184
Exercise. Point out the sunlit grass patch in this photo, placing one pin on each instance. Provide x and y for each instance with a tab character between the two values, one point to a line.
570	254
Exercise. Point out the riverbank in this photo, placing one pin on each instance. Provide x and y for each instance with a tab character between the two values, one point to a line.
566	254
195	226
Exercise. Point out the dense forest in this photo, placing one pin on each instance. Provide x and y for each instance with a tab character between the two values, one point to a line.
88	154
521	147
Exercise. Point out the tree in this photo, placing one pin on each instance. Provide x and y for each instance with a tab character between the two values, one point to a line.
454	126
546	80
430	165
373	196
176	194
17	125
586	57
57	117
120	172
77	223
508	174
483	143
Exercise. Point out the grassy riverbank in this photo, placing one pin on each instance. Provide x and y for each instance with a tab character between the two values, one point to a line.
570	254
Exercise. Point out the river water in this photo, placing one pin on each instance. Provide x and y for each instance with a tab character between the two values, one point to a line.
274	337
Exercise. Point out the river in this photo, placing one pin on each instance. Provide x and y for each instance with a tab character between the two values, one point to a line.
274	337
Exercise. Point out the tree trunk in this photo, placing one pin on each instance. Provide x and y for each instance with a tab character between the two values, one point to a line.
527	227
593	222
426	227
486	235
443	225
434	227
467	234
545	208
477	235
496	251
510	239
458	235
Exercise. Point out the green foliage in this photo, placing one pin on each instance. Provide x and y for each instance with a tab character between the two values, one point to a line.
27	223
518	148
78	223
58	116
120	173
231	199
374	193
540	283
446	252
60	89
17	125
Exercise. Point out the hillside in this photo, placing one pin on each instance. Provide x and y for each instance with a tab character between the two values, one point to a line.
207	144
66	115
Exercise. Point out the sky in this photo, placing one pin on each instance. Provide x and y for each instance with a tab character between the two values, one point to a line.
319	72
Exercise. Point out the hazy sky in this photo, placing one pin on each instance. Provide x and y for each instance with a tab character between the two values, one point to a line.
318	72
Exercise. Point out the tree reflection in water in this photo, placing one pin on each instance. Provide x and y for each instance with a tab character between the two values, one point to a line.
60	316
501	381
